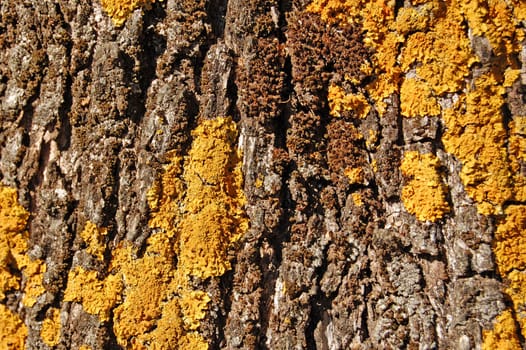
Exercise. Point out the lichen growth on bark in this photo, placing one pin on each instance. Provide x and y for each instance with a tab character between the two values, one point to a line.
426	53
340	101
17	268
196	214
50	331
95	239
424	194
13	332
120	10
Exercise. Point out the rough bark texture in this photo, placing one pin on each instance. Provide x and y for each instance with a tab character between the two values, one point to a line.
91	114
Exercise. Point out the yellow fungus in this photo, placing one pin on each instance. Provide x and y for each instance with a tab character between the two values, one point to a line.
50	331
13	332
424	193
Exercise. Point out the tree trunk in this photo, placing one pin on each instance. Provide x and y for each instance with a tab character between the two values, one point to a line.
262	174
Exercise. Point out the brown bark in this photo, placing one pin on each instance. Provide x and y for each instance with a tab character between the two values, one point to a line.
89	112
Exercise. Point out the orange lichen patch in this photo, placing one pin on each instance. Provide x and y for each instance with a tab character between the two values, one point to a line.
503	335
340	101
16	267
13	332
519	9
33	286
50	332
95	238
387	73
193	305
197	211
355	175
410	19
510	240
476	136
517	155
166	194
357	199
424	193
97	296
13	218
147	282
416	99
372	138
214	217
494	20
85	347
442	55
337	10
120	10
517	293
510	76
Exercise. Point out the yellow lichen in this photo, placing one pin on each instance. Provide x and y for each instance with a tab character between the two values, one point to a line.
517	155
494	20
50	332
357	199
517	293
355	175
442	55
13	332
424	194
95	239
503	335
150	286
16	267
213	215
120	10
387	73
197	210
417	100
476	135
510	76
431	43
85	347
410	19
339	101
510	240
97	296
13	244
193	305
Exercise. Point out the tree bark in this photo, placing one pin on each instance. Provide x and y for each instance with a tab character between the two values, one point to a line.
362	222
